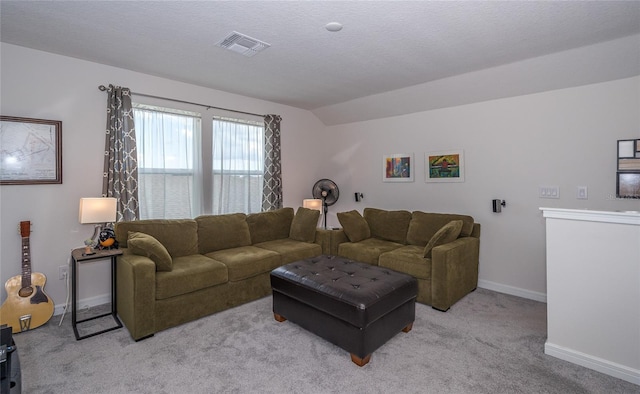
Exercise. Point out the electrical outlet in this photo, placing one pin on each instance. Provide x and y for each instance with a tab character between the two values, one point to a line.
63	271
582	193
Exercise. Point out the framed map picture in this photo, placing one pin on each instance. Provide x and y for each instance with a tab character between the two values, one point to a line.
30	151
397	167
445	166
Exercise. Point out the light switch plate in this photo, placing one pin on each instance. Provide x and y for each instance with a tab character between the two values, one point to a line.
549	191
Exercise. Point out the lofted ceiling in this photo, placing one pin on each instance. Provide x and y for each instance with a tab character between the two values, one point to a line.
384	46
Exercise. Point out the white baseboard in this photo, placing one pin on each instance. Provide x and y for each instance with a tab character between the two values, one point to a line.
597	364
84	303
516	291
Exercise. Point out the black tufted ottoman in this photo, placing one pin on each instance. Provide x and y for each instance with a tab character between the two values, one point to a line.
354	305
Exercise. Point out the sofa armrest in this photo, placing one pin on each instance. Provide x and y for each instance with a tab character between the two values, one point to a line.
454	271
136	290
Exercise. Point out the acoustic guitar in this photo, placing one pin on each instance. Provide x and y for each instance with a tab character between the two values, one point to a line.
27	305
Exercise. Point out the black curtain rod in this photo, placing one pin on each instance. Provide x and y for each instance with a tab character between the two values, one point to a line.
104	88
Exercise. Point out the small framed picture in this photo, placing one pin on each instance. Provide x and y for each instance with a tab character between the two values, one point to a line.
628	185
398	167
31	151
444	166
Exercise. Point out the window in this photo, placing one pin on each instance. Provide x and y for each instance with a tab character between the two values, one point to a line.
187	168
238	165
168	144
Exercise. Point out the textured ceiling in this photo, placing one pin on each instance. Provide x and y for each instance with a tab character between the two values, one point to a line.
384	46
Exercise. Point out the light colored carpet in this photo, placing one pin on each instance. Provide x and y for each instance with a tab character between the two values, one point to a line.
487	343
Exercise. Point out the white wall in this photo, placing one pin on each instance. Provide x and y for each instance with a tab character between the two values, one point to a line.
563	137
37	84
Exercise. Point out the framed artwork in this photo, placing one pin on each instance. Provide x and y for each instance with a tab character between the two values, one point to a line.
628	185
398	167
444	166
628	174
30	151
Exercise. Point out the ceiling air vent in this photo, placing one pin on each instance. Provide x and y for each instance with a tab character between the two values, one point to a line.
242	44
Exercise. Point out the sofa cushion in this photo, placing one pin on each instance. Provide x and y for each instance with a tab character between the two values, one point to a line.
189	274
145	245
247	261
178	236
304	225
448	233
291	250
366	251
389	225
217	232
408	259
270	225
354	225
424	225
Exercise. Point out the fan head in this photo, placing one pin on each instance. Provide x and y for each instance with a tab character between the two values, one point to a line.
326	190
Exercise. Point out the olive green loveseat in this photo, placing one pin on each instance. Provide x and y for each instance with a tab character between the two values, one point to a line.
175	271
440	250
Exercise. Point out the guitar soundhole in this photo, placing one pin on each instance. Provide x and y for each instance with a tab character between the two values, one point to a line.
25	291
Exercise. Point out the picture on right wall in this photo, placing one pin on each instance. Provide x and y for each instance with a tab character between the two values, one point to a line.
444	166
628	171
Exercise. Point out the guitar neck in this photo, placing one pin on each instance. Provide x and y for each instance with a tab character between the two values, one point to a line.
26	263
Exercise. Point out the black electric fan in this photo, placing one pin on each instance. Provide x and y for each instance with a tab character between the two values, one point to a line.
327	191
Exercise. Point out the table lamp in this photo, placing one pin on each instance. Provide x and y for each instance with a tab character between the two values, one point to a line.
98	211
313	203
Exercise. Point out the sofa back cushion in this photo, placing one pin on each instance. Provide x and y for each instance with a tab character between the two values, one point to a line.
270	225
388	225
217	232
304	225
178	236
354	226
423	226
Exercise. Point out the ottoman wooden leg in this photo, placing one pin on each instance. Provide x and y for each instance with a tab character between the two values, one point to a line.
278	317
361	362
408	327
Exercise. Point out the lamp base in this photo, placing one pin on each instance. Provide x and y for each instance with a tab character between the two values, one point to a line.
96	233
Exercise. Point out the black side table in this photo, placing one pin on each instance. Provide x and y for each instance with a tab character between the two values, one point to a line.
79	256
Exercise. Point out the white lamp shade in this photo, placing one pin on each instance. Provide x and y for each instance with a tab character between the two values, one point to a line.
97	210
312	203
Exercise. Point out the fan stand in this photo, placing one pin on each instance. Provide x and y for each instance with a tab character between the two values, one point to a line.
325	208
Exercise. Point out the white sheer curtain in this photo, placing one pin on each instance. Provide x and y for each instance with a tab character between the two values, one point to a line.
238	165
169	162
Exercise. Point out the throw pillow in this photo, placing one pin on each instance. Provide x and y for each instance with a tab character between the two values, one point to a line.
304	224
448	233
145	245
354	225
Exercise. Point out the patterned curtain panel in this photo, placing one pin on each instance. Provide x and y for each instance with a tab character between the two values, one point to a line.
272	186
120	178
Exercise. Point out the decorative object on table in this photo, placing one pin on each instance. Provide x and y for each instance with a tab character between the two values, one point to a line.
107	239
27	305
628	174
444	166
31	151
98	211
88	246
327	191
397	167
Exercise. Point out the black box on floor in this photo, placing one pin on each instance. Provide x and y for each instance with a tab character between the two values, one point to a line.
10	376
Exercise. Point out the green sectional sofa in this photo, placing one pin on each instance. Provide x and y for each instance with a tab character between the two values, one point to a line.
440	250
175	271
